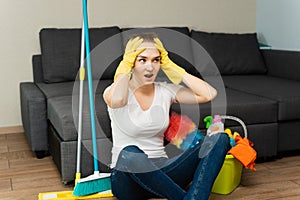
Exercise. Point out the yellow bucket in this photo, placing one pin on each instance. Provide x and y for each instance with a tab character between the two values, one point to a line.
229	176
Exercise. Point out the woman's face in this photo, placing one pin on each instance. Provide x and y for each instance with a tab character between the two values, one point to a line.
147	64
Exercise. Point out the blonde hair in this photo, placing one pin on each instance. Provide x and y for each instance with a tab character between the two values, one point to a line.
146	36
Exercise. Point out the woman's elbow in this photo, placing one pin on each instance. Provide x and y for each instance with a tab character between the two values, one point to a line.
118	102
214	94
115	101
210	96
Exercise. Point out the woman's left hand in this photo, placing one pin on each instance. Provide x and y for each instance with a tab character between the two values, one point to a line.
172	70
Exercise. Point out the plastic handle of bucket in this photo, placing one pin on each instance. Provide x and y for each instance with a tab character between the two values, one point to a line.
238	120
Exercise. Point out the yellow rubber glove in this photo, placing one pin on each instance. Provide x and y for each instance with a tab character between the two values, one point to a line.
129	56
172	70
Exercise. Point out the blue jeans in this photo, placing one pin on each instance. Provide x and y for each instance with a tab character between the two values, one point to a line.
138	177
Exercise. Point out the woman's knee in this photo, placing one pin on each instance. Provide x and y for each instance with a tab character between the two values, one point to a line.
224	137
131	154
132	148
218	141
223	141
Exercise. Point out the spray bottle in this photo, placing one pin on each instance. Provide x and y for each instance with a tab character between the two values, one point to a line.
216	127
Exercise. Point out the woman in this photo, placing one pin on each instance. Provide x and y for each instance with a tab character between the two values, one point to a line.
139	111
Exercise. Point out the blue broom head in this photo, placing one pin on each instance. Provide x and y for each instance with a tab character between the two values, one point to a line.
92	184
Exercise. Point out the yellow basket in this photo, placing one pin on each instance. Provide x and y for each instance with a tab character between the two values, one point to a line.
230	174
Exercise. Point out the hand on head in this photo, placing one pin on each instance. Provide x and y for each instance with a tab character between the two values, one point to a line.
130	54
172	70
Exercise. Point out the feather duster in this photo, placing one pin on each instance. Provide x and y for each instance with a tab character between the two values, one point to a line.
182	131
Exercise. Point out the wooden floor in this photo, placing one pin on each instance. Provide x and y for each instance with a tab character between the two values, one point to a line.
22	176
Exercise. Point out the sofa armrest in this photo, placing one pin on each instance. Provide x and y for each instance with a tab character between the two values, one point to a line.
34	117
282	63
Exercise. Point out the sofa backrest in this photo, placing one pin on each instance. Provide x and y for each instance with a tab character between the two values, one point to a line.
283	63
60	50
234	54
37	68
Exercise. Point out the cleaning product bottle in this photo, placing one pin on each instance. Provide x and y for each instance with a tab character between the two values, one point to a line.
216	127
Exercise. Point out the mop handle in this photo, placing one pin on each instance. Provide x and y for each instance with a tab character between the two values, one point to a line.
81	78
90	83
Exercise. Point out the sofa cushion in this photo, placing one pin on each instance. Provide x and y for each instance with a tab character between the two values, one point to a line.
284	91
67	88
232	53
56	89
283	63
63	114
61	51
239	104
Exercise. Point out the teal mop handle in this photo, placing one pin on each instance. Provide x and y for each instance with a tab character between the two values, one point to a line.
90	84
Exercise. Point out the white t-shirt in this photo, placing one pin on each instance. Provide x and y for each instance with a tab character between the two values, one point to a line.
144	128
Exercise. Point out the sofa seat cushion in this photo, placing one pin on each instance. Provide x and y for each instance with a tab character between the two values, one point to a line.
71	88
245	106
232	53
248	107
63	115
284	91
65	120
56	89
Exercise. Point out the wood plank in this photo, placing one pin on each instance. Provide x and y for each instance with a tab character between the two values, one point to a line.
246	192
18	147
16	138
297	181
5	184
272	175
4	164
11	129
3	148
17	155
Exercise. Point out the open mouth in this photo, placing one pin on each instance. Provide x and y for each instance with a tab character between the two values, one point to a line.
148	75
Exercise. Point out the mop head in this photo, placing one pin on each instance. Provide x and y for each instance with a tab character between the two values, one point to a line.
98	182
182	132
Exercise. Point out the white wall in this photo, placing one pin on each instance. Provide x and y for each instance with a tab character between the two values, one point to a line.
278	23
21	20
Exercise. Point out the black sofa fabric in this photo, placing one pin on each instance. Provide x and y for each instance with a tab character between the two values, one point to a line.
283	91
232	53
259	86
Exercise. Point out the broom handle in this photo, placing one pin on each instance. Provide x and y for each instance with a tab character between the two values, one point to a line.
81	78
90	84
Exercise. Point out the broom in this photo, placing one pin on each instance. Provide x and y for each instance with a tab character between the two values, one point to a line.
96	182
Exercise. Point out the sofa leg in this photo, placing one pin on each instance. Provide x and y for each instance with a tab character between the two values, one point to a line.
280	155
41	154
67	183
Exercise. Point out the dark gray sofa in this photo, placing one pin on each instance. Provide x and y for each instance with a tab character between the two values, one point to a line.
260	87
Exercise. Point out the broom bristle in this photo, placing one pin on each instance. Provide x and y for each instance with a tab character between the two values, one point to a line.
93	184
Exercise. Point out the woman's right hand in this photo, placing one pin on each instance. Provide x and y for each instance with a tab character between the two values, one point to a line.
130	54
